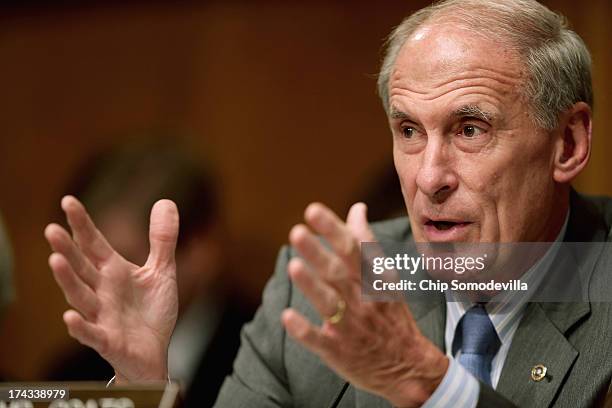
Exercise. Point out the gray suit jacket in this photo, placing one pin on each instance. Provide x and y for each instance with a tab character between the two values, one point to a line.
573	340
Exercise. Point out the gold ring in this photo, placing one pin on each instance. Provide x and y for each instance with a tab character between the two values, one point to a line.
340	308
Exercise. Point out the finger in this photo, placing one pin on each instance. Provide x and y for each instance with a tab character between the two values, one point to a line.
61	242
357	223
305	333
325	222
322	296
85	332
163	234
77	293
322	261
86	235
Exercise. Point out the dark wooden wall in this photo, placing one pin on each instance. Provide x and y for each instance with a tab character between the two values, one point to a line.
280	96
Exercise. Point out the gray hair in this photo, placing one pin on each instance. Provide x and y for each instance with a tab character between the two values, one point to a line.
557	62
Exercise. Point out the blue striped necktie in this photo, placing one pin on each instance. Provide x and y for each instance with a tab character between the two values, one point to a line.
479	343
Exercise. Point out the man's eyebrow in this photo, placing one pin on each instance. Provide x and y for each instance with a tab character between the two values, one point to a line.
397	114
473	111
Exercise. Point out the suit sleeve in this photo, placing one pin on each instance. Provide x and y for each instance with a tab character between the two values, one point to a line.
259	378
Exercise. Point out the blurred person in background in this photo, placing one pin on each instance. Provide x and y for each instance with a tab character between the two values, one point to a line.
6	270
119	186
382	194
6	273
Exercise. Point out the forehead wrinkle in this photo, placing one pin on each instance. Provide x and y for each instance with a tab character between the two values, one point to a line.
482	93
480	78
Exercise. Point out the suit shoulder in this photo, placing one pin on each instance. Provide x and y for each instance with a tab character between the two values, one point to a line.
601	206
604	203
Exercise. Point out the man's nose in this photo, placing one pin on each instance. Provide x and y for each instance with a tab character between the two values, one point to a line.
436	177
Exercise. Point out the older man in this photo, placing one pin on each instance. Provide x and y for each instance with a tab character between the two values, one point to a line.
489	103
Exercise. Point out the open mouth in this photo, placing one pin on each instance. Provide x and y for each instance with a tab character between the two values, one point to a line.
442	230
443	225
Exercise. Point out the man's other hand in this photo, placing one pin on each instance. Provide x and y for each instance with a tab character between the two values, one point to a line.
376	346
124	311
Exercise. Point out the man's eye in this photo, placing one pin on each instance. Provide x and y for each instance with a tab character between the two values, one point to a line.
408	132
471	131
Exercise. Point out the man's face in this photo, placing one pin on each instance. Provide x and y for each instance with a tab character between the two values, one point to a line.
472	165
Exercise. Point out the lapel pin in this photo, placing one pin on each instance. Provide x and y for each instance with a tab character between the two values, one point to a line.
538	372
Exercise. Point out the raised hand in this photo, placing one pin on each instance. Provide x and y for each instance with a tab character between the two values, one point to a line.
376	346
124	311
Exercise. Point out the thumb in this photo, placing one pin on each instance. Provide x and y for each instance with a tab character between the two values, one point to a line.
357	223
163	233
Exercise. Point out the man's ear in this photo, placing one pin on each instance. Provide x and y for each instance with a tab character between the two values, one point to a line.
573	148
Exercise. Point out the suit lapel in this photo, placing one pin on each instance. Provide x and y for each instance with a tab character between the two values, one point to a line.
430	316
364	399
540	339
541	335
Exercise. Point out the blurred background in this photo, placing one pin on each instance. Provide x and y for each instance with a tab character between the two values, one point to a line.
276	97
